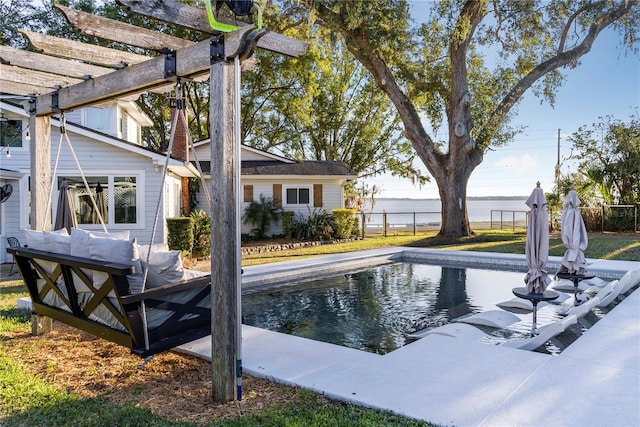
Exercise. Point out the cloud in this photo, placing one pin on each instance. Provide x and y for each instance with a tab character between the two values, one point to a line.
524	163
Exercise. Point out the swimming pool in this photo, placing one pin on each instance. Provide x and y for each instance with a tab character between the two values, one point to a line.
375	309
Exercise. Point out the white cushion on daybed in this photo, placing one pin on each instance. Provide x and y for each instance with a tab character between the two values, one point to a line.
143	250
36	240
80	239
164	268
57	241
119	251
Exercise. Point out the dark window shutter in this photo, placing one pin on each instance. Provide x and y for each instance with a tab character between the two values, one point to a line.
277	195
248	193
317	195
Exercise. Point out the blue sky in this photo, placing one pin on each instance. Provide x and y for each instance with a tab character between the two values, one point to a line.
606	83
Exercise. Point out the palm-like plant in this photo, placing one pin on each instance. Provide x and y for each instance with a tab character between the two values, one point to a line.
261	214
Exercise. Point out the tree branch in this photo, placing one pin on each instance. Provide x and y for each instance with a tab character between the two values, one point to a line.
561	59
359	46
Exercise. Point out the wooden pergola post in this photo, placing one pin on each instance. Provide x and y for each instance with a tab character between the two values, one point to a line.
225	363
40	186
40	146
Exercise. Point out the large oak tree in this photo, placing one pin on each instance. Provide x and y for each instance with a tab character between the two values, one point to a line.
466	67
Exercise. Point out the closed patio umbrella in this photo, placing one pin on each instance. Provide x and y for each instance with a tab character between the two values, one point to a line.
65	212
537	242
574	235
97	216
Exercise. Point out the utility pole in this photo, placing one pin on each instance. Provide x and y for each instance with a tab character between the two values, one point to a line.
558	166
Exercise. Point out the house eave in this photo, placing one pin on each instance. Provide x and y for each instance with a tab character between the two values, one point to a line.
10	175
184	169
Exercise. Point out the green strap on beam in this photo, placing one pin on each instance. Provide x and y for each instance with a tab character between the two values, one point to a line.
227	28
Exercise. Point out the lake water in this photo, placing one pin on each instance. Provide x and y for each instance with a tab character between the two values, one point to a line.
479	210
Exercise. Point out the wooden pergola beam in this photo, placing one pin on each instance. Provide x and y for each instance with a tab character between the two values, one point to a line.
22	89
37	78
66	48
196	19
121	32
50	64
189	62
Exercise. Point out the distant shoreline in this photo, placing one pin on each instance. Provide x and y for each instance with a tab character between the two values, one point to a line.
468	198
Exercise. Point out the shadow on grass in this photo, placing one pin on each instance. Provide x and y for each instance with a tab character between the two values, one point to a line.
13	288
475	239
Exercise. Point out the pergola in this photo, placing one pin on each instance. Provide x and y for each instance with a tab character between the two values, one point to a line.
67	75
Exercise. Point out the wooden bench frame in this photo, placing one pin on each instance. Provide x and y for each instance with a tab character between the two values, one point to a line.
187	322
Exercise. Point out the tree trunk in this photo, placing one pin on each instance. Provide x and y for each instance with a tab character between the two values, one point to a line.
452	186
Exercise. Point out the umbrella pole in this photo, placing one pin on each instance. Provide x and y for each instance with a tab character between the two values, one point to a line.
534	330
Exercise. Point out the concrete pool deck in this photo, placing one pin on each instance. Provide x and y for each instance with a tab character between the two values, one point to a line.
595	381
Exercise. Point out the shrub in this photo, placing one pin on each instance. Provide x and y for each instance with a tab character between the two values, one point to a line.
201	234
618	218
317	225
261	214
288	224
180	233
592	218
343	222
356	230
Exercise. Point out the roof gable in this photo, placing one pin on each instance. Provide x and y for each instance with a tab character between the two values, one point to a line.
251	153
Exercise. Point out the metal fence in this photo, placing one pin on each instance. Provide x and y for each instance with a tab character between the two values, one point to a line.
413	223
510	220
620	218
398	223
607	218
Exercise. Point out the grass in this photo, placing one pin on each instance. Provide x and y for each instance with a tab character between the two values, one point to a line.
62	379
618	247
29	397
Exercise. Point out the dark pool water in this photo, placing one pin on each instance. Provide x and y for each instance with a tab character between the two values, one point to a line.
375	310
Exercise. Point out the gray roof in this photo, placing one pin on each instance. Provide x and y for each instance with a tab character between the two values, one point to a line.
270	167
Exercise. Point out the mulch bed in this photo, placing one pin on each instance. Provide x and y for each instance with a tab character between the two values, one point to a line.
174	386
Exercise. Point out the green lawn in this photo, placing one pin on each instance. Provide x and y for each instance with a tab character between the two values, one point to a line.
601	247
27	400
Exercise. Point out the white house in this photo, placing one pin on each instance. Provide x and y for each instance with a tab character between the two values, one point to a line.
108	145
298	186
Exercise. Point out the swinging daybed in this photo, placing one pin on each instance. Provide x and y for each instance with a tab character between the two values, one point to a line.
63	288
111	300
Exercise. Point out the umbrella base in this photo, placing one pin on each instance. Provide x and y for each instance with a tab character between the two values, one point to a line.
535	298
576	278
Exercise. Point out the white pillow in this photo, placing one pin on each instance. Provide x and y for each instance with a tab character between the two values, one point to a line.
35	239
118	251
80	239
115	250
143	250
57	242
164	268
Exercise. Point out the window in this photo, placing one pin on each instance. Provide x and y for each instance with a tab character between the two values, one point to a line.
98	118
124	200
10	133
298	196
86	212
172	197
115	197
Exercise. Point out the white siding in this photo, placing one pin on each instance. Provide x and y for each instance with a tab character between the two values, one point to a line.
332	196
251	155
96	158
10	219
203	152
